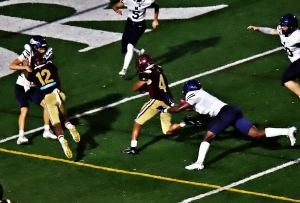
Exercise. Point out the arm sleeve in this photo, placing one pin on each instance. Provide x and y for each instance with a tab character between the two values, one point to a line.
266	30
191	98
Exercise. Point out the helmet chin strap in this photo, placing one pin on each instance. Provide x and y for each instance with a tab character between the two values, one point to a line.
287	32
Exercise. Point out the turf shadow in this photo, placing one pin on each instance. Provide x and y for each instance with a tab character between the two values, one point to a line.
192	47
98	122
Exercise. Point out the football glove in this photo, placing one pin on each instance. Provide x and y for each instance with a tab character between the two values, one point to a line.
162	109
169	101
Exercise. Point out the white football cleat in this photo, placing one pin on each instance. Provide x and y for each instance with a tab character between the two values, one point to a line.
141	51
66	149
123	72
291	135
75	134
49	134
22	139
198	166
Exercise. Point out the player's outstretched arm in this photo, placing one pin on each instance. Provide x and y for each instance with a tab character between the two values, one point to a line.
265	30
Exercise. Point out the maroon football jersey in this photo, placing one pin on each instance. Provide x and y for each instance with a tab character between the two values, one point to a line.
159	87
45	78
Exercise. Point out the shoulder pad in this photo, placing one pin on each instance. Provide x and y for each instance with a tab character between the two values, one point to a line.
27	47
158	68
48	55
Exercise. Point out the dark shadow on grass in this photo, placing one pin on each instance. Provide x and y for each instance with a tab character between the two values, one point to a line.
98	122
266	143
179	136
151	142
132	76
179	51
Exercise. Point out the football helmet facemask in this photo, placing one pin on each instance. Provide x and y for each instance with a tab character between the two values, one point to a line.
191	85
37	42
144	62
37	60
290	21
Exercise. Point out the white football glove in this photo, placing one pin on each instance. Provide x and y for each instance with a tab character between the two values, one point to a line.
48	54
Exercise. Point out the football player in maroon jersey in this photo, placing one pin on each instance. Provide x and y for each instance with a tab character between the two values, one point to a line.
45	76
151	80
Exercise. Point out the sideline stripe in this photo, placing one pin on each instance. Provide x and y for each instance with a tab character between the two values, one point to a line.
234	184
218	188
142	95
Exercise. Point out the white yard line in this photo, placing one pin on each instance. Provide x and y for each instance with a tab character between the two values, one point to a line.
141	95
234	184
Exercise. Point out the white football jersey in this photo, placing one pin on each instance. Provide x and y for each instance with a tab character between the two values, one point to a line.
26	54
291	43
137	10
204	103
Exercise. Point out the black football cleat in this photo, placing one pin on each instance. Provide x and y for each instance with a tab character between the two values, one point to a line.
189	120
130	150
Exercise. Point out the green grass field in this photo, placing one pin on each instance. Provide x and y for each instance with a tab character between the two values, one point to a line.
103	108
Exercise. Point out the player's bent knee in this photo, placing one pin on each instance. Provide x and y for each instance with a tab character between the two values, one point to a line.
209	137
285	80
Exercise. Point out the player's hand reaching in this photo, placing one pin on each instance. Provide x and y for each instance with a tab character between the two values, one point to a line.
251	27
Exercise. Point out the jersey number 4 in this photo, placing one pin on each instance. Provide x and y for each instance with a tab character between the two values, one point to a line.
162	84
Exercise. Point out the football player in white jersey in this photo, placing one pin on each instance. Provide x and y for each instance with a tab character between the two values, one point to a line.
135	27
223	115
290	39
25	91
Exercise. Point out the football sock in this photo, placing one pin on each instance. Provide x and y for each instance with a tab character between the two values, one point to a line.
182	123
133	143
21	132
46	127
68	125
204	147
274	132
128	56
61	138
